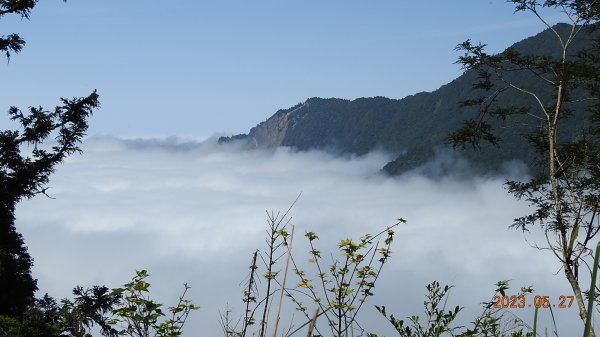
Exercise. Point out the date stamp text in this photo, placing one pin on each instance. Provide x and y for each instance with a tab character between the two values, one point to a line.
518	302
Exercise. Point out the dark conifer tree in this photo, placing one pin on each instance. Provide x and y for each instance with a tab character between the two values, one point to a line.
16	284
24	175
27	158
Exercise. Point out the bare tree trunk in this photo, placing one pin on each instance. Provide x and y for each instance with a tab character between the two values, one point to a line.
566	252
578	295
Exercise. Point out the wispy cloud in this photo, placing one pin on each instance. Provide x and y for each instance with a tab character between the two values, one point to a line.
193	212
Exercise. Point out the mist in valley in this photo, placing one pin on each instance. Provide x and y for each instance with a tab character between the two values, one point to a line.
193	212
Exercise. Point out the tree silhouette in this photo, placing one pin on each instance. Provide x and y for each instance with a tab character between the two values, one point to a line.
27	158
26	163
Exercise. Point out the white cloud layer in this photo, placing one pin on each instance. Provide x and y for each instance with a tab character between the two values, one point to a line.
194	212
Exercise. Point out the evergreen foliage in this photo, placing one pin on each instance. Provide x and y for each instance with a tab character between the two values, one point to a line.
26	161
25	167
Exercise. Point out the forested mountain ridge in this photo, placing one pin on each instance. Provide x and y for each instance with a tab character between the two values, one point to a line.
411	128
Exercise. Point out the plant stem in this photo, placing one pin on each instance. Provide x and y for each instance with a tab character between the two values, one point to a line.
287	263
588	322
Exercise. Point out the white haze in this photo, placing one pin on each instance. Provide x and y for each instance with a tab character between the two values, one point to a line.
194	212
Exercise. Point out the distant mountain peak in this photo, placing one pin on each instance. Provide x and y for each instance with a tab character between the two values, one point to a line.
411	128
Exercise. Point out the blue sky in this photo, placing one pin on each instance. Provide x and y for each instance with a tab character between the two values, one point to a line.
196	68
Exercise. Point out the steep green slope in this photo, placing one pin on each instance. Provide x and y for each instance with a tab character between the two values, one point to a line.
412	127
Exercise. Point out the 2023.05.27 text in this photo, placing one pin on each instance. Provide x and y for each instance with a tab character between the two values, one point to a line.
519	302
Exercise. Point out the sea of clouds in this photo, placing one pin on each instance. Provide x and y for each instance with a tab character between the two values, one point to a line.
193	212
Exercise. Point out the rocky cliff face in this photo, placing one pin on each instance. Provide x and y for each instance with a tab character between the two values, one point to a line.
271	133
